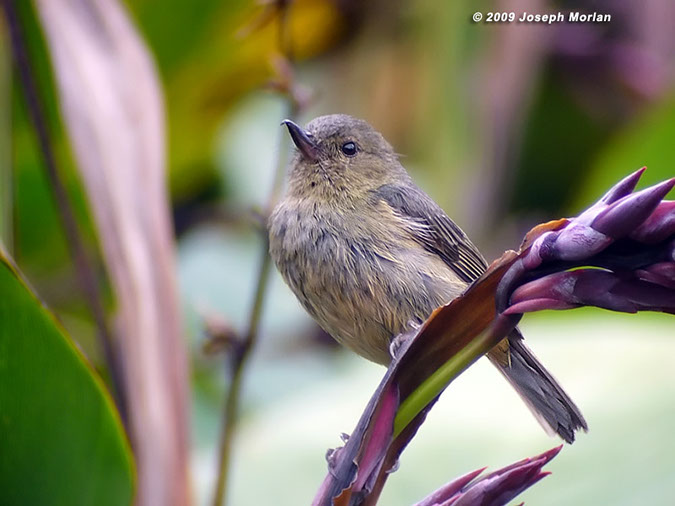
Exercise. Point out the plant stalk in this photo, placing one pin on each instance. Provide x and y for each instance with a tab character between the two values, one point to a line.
243	349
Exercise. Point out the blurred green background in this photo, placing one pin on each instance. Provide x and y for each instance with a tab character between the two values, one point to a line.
505	125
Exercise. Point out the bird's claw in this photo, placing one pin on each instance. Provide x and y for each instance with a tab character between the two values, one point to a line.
400	343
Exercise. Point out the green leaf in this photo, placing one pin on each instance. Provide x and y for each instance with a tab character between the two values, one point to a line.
61	440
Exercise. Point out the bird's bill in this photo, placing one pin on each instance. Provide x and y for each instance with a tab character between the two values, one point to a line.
303	140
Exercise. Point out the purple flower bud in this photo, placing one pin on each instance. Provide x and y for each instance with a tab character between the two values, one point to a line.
662	274
625	215
532	305
449	490
503	485
649	289
594	287
659	226
646	296
555	291
619	190
623	187
618	214
496	488
558	286
577	241
540	250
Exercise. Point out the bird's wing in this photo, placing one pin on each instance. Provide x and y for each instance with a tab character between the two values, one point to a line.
435	230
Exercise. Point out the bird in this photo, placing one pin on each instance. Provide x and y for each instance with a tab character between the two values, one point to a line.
370	255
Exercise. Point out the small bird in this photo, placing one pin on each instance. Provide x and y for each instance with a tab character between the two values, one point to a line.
370	255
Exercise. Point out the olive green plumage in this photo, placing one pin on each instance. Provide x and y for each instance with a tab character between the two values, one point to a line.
368	254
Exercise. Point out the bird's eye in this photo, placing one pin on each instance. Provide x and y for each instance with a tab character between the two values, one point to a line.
349	148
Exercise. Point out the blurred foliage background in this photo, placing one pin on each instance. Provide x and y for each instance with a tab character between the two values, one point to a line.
505	125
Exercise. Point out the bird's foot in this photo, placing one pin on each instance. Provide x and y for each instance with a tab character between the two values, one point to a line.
400	343
333	454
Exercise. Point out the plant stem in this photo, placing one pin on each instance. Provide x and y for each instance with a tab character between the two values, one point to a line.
242	352
424	394
85	275
239	361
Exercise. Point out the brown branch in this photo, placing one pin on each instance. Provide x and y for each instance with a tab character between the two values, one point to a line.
87	280
243	348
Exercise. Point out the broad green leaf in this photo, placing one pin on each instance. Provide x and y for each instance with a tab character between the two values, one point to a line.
61	440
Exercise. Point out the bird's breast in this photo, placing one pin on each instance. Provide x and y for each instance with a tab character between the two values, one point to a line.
363	278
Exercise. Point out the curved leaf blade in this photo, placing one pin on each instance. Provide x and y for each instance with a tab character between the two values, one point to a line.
61	439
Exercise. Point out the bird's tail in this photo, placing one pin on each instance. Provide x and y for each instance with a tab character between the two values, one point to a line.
549	403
